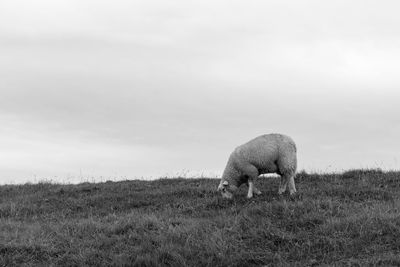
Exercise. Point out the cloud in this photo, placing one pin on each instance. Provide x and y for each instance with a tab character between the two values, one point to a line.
196	79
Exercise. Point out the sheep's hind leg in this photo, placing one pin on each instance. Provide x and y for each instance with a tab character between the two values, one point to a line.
292	187
283	185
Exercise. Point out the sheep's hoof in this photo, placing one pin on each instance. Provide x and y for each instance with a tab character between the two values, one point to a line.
249	197
294	196
258	193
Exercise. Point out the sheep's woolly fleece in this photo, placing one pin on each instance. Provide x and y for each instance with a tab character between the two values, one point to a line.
270	153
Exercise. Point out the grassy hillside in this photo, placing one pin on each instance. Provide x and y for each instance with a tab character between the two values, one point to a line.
349	219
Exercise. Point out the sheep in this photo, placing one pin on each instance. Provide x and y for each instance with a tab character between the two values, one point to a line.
269	153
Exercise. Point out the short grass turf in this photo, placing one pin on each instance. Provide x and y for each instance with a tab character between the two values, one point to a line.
349	219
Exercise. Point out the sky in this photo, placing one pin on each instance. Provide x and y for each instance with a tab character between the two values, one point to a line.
99	90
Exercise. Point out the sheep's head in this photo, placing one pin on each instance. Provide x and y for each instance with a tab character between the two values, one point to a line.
226	189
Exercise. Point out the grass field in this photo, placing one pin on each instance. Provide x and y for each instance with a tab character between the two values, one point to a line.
350	219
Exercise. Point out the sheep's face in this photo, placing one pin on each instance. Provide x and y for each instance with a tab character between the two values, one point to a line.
226	189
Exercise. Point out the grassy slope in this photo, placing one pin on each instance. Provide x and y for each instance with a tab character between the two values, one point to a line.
335	219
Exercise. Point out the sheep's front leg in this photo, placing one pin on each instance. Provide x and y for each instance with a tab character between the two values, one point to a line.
251	189
256	191
252	173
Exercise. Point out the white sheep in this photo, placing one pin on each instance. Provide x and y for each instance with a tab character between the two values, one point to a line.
270	153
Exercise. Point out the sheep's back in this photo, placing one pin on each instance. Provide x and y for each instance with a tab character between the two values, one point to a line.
267	150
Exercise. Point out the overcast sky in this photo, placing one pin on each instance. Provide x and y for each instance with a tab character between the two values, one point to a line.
97	90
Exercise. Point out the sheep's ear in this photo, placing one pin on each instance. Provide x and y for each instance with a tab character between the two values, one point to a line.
225	183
